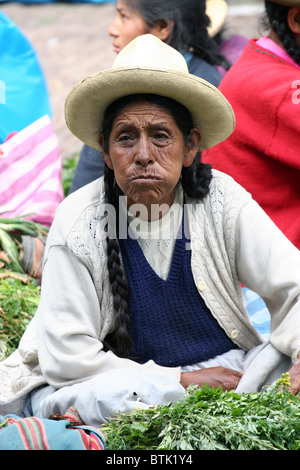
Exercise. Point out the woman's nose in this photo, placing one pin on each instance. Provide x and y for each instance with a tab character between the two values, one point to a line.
143	154
113	29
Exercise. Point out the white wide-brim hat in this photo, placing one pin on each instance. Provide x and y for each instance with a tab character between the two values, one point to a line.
288	3
217	11
148	65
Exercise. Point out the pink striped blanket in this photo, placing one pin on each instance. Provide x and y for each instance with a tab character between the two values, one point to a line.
31	172
66	433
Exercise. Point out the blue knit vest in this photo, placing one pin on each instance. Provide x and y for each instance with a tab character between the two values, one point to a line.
170	323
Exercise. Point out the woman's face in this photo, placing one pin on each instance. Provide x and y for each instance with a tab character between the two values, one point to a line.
127	25
147	151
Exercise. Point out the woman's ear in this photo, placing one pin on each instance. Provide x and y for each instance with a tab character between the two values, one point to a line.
294	20
106	156
161	29
192	147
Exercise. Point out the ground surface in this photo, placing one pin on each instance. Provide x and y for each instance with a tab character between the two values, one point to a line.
71	41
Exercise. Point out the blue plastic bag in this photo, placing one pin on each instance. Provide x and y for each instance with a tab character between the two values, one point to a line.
23	92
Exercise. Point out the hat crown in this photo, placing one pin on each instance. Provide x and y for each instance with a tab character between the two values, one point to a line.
147	51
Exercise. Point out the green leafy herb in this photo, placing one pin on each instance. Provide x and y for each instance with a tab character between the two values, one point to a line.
210	419
19	299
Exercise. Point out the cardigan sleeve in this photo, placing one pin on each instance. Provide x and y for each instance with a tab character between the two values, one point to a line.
69	325
269	264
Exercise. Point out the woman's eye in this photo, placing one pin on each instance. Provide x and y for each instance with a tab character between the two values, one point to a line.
160	135
124	138
122	15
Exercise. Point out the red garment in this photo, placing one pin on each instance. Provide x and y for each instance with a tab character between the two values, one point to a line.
263	153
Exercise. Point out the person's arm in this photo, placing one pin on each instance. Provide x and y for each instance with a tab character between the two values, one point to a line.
295	377
269	264
228	379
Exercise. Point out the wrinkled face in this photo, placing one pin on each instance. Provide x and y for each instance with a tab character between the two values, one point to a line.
147	151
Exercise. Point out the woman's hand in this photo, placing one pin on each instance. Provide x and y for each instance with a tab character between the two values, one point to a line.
295	377
215	377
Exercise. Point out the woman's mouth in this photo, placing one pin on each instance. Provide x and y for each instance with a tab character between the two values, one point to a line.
145	178
116	48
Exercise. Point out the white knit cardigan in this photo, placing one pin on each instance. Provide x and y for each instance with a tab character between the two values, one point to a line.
232	242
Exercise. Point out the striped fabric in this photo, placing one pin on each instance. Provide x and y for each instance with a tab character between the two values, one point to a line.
30	173
67	433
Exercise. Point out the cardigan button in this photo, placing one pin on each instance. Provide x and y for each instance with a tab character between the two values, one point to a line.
234	334
201	286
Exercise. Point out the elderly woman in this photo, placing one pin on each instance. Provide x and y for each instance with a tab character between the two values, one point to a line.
141	291
187	26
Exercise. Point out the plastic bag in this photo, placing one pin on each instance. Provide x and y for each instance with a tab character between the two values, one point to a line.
31	173
23	91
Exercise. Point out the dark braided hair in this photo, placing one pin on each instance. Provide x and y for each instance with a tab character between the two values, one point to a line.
277	16
120	341
188	24
195	182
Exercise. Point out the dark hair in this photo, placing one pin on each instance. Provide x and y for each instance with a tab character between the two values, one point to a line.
195	181
277	17
188	23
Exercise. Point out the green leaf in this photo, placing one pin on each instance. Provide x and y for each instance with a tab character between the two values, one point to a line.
210	419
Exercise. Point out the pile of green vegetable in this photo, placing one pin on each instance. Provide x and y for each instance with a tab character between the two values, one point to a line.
210	419
11	231
19	294
19	299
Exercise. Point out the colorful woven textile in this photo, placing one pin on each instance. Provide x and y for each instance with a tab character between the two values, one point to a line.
58	433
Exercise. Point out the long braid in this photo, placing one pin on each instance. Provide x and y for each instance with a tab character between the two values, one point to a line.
120	341
278	19
196	178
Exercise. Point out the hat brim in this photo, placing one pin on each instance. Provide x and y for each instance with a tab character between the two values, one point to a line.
217	11
88	100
